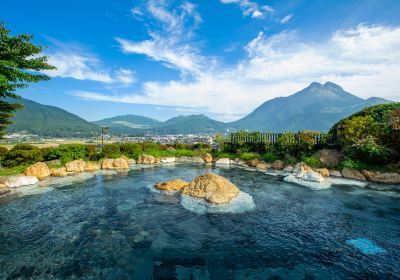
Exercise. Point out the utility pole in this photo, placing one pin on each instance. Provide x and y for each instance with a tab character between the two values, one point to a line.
104	130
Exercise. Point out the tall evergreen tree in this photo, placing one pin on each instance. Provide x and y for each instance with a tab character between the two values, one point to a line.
20	62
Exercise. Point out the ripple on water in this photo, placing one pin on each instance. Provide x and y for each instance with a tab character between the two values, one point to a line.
240	204
67	180
114	227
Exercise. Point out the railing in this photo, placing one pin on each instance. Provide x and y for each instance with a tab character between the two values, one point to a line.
253	137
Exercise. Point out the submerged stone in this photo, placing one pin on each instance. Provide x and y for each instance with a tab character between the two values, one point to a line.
168	160
301	167
223	161
311	176
366	246
347	182
309	184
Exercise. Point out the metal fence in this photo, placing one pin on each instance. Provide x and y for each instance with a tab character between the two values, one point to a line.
255	137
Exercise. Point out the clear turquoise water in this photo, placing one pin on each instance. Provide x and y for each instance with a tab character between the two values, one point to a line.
114	227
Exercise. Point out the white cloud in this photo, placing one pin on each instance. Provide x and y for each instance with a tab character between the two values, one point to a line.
182	57
125	76
136	12
256	14
170	37
72	62
76	65
364	60
250	8
286	19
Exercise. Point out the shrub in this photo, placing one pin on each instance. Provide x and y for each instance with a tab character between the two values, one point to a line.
306	141
248	156
22	154
202	147
312	161
218	154
269	157
287	143
92	149
3	152
350	163
131	150
68	152
111	150
93	155
372	134
367	150
149	146
24	147
48	153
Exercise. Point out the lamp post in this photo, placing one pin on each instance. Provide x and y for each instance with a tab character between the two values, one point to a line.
104	130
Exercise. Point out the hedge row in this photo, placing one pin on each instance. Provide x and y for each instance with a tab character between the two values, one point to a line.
288	144
24	154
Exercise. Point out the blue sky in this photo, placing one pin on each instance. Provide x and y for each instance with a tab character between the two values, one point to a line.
221	58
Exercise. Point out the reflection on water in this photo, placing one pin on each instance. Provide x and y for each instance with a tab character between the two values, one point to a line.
111	226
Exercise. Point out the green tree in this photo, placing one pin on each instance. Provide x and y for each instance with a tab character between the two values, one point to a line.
19	63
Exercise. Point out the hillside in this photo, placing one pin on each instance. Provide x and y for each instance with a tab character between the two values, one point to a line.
316	107
128	124
189	124
50	121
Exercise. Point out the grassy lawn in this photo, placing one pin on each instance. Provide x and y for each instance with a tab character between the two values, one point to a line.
13	170
174	153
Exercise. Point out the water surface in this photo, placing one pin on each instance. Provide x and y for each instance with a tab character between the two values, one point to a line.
113	227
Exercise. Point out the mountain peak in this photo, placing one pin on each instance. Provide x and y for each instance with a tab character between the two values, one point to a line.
314	85
332	85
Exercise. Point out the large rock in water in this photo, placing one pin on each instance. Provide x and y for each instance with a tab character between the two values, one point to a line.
171	185
323	171
118	163
311	176
121	163
40	170
168	160
263	166
253	162
301	167
58	172
207	158
18	181
146	159
186	159
223	161
352	174
89	166
75	166
387	178
212	188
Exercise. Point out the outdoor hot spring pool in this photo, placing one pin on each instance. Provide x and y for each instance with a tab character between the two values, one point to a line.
112	226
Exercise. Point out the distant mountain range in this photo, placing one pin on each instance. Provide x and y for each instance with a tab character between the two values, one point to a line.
133	124
317	107
50	121
128	124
